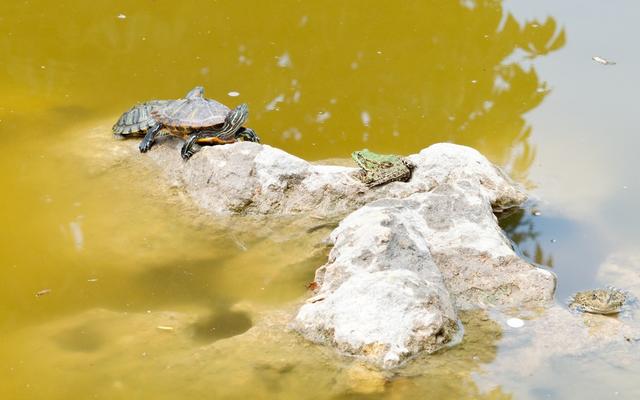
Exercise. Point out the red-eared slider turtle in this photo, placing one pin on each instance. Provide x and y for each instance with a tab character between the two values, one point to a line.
200	121
138	118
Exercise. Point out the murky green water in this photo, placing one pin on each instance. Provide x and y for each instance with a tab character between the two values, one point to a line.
138	301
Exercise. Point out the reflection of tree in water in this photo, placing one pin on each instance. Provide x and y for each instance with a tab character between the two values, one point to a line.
427	72
320	80
519	226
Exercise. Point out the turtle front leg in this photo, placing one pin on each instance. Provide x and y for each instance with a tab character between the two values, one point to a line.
190	147
149	138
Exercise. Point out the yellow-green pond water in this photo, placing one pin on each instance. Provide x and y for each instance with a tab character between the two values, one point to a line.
108	289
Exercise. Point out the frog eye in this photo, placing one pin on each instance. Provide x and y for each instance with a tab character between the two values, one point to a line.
386	164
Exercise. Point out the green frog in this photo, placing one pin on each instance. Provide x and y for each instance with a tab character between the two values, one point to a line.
378	169
599	301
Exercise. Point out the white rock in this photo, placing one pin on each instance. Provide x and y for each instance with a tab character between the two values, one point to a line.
260	179
400	262
381	296
383	317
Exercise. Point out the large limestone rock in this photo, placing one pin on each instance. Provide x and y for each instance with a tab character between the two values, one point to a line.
384	294
407	257
250	178
381	296
401	263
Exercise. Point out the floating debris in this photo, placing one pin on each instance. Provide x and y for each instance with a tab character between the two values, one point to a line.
78	237
122	16
603	61
536	213
43	292
365	118
165	328
273	104
284	61
515	322
92	280
233	94
323	116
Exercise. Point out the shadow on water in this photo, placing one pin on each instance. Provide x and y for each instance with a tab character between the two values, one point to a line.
222	323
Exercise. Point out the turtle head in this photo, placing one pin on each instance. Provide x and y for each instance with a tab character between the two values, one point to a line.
235	119
196	92
248	135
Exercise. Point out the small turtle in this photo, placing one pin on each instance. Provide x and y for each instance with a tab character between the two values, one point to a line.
378	169
138	118
199	121
599	301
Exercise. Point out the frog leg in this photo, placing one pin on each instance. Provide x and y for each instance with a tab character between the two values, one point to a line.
149	138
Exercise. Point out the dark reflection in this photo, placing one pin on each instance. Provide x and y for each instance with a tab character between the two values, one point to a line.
222	323
83	338
175	283
272	375
554	241
519	226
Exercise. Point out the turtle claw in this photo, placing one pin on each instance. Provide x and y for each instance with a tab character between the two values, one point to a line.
144	146
189	148
149	138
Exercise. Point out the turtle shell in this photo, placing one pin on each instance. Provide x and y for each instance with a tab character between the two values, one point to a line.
138	118
194	112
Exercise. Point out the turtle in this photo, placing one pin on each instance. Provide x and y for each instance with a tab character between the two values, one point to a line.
137	119
200	121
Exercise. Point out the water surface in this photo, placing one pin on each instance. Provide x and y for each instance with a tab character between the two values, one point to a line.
138	299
